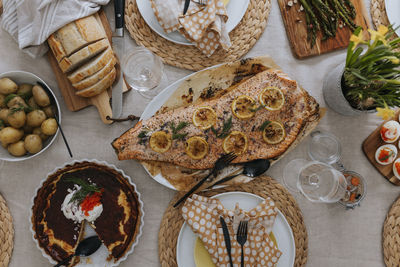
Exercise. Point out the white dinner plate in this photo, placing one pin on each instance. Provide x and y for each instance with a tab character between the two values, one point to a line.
247	201
393	13
235	9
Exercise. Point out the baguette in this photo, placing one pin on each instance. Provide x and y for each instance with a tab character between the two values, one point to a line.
90	80
84	55
100	86
74	36
91	67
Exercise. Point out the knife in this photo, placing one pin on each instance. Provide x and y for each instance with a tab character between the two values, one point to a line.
227	239
186	6
118	47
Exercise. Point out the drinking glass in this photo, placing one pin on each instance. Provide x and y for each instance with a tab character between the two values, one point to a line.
317	181
143	71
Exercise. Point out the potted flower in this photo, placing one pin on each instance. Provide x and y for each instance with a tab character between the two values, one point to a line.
369	80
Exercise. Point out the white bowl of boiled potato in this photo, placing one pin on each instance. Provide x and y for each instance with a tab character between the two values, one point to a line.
27	124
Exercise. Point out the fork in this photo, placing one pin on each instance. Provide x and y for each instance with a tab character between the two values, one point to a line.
221	163
241	237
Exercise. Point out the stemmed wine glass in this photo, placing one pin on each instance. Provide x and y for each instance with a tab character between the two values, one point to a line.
144	72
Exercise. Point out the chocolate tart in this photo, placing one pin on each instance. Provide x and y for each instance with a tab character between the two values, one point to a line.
118	225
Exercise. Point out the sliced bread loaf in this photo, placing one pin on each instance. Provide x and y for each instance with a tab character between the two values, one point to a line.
82	56
100	86
92	66
74	36
92	79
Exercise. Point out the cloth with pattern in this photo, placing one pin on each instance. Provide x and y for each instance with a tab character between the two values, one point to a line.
202	215
203	25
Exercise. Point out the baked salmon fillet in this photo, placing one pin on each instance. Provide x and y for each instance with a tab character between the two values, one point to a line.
135	143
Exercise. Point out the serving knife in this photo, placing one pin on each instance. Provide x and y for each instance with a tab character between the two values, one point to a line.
186	6
118	47
227	238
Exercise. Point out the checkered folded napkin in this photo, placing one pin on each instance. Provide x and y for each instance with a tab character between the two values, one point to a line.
202	214
204	25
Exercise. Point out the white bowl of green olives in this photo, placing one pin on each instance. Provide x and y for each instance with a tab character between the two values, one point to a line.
27	116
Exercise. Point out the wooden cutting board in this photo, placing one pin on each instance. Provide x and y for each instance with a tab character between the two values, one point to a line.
296	29
74	102
371	144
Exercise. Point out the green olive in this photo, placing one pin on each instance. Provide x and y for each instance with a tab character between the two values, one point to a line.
16	101
33	143
10	135
41	98
17	149
25	90
39	132
4	114
17	118
35	118
7	86
2	103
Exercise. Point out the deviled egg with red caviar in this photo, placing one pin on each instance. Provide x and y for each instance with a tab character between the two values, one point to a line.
390	131
396	168
386	154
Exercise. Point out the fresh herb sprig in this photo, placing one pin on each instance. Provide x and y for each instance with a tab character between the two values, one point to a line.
176	129
85	190
264	125
143	137
20	108
225	129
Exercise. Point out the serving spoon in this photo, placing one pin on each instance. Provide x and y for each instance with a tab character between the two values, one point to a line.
85	248
252	169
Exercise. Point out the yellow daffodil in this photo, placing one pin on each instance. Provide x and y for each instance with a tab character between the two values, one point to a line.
385	113
380	34
357	39
395	60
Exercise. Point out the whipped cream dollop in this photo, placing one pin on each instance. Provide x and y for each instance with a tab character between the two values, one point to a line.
73	210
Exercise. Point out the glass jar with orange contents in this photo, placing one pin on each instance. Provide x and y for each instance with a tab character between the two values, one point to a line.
356	190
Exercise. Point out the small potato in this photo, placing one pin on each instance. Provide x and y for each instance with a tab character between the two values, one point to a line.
7	86
17	149
33	143
35	118
17	118
40	96
10	135
4	114
32	103
49	126
25	90
17	101
39	132
2	103
49	112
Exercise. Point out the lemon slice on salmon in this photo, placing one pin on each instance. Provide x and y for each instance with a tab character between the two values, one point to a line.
272	98
196	147
160	141
235	142
274	133
204	117
243	107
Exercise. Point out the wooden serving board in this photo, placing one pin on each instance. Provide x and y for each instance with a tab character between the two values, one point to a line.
371	144
296	29
74	102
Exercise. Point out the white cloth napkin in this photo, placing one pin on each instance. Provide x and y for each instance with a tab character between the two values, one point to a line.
30	22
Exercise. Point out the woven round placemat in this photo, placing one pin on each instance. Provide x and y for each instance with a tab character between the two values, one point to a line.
391	236
263	186
6	233
243	37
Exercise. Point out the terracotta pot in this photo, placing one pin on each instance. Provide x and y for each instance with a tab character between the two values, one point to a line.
333	94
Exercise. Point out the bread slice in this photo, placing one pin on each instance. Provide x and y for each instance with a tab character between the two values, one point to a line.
91	67
90	80
74	36
84	55
100	86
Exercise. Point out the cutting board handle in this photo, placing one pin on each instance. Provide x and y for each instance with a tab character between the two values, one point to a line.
102	103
